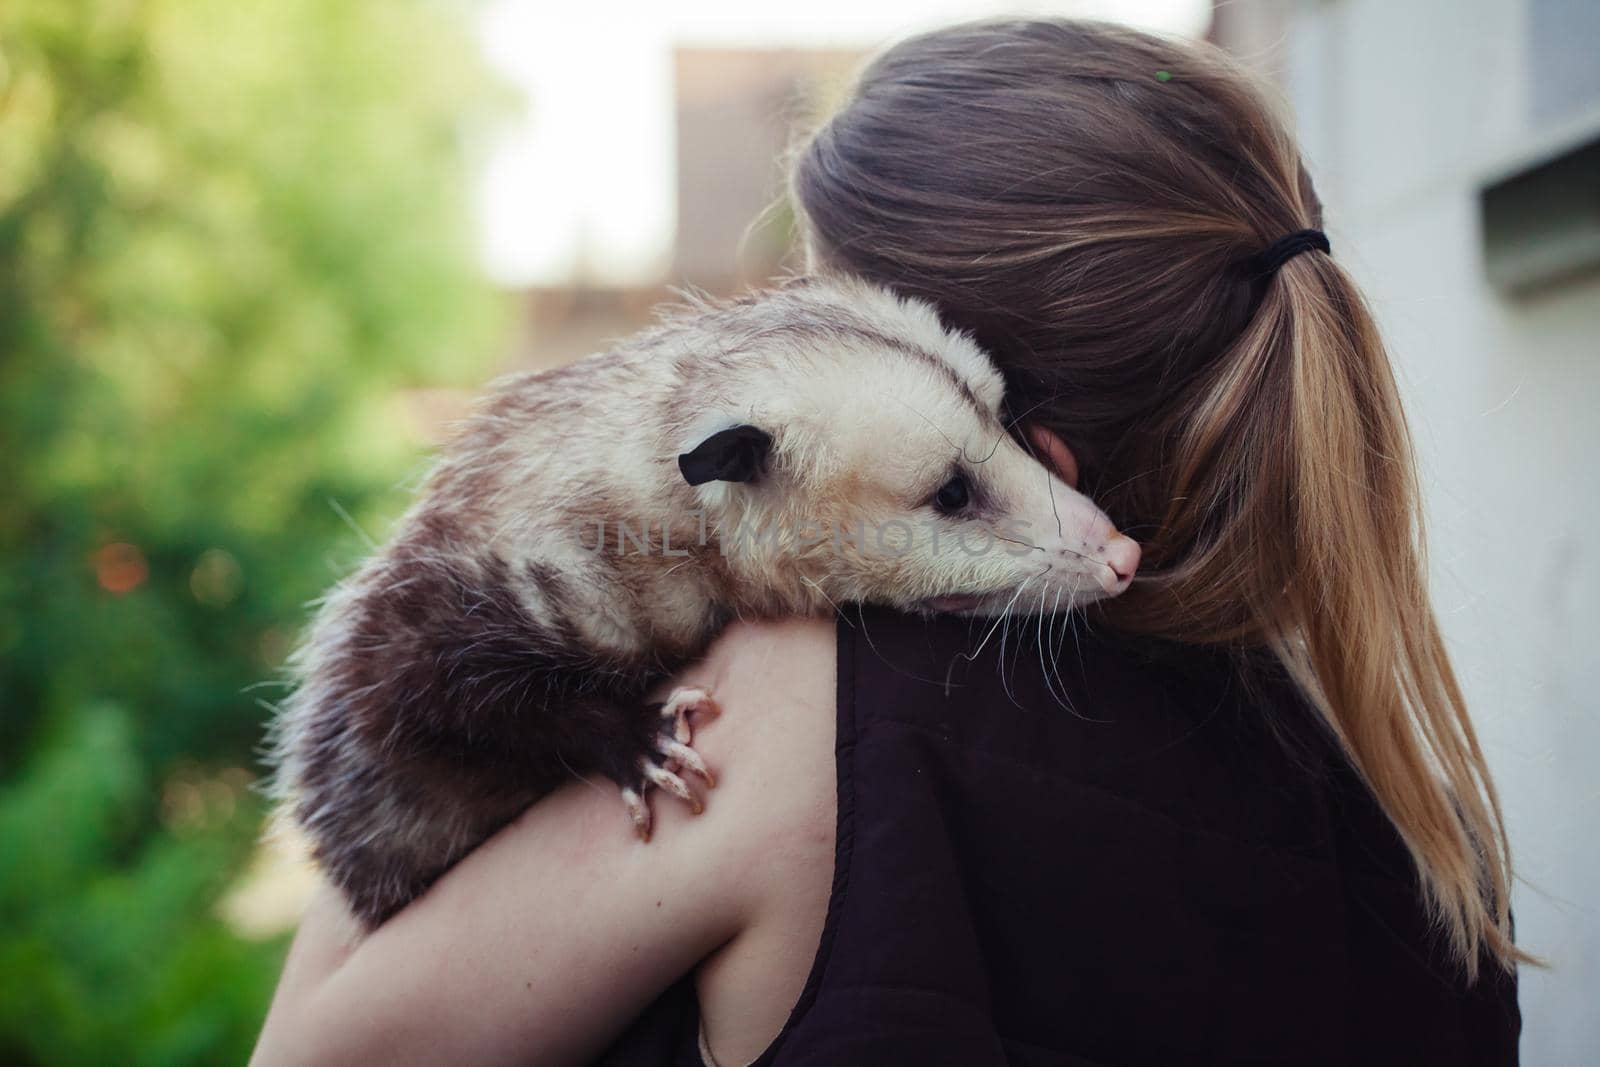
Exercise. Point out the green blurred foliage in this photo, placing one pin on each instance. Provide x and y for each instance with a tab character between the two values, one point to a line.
230	232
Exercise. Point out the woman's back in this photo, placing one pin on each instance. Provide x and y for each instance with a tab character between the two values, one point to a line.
1123	853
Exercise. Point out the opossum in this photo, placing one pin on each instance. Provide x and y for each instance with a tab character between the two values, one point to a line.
591	528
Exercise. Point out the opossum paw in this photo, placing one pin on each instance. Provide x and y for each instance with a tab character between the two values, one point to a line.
672	758
680	703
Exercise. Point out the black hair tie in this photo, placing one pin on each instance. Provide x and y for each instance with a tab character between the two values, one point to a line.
1266	262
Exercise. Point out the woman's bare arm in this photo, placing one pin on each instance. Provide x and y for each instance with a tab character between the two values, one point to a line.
544	942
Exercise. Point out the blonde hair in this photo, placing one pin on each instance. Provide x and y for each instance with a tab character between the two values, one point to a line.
1086	201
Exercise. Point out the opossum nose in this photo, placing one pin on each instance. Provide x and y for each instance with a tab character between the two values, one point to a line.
1121	557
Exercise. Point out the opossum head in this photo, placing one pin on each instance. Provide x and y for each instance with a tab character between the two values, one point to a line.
869	459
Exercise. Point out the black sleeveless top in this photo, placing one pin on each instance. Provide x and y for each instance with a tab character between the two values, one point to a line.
1121	853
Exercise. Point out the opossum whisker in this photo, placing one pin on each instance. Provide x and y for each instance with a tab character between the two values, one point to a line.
1055	651
1020	544
1007	616
1011	423
1049	631
1020	623
936	428
822	593
1080	555
1055	509
1052	667
1056	616
1073	619
866	632
1128	481
1000	657
989	455
1049	481
349	520
1039	640
998	621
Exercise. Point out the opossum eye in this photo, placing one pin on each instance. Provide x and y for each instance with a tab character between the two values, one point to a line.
952	495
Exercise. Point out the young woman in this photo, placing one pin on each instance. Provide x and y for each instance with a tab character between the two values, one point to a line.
1239	815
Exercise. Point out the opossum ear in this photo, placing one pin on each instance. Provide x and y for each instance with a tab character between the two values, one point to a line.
737	454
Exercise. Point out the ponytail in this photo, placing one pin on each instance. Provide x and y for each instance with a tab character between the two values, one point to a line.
1296	519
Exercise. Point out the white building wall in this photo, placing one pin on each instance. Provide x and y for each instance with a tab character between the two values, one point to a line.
1405	108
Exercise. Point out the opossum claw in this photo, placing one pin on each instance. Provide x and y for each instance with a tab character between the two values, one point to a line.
638	811
662	778
689	759
680	702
